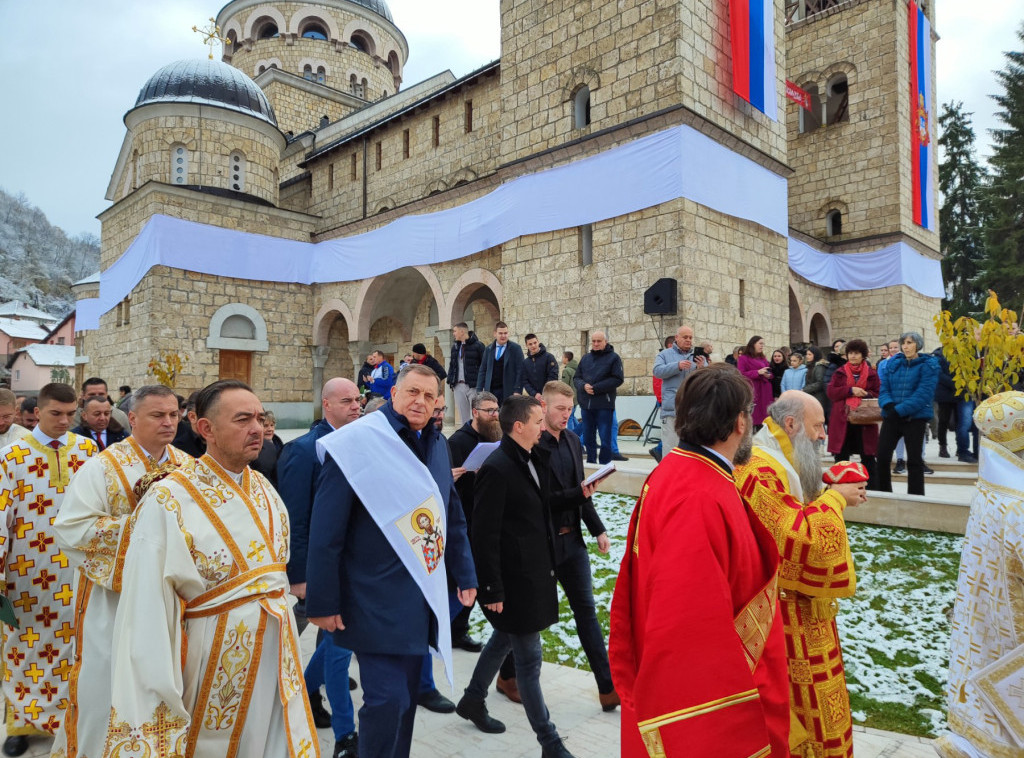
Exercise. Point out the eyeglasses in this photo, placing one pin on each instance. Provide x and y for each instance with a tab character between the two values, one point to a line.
440	411
489	411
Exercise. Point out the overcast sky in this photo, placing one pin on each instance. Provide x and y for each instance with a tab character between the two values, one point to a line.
71	69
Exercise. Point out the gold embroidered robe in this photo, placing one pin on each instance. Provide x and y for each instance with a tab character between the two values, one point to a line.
205	651
986	662
92	529
816	569
39	654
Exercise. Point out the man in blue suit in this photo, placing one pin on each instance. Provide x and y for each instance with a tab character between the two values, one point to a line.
297	472
358	586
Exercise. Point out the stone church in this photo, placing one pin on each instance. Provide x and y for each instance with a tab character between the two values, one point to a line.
306	131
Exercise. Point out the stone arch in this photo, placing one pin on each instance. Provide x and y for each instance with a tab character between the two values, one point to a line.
467	289
436	187
311	13
576	78
797	333
233	33
396	295
314	63
828	210
265	64
234	316
819	330
358	26
261	12
332	342
462	176
329	311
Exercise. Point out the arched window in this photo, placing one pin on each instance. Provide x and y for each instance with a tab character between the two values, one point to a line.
237	326
833	223
267	30
364	87
179	164
314	31
810	120
237	161
393	65
360	42
321	75
307	72
837	108
232	44
261	69
581	107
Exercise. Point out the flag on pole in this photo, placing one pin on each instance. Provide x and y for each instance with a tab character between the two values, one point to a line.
799	95
752	26
922	127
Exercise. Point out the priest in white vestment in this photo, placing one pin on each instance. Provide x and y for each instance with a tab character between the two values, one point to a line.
10	429
34	476
986	665
205	651
92	528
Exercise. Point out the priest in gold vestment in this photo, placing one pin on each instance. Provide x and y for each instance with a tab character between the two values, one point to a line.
205	656
92	529
985	694
35	473
781	483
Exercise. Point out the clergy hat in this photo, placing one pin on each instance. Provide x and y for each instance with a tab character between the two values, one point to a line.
1001	419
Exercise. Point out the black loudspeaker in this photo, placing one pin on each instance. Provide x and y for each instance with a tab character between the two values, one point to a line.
660	298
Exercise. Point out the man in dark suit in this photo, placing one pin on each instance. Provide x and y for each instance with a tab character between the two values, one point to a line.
97	424
512	540
569	507
464	368
297	472
358	587
501	372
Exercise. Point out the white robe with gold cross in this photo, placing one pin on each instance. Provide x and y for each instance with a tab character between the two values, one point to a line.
93	530
39	654
205	652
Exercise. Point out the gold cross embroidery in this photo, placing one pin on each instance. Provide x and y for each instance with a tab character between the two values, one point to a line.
33	709
256	551
211	35
35	673
161	729
259	587
65	595
29	637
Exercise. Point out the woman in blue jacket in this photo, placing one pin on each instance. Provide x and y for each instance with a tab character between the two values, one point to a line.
908	386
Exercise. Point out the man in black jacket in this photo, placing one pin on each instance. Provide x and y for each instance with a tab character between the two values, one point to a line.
464	368
420	356
97	424
512	537
539	368
501	371
598	375
572	563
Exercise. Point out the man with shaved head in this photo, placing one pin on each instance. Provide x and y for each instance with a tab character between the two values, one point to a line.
782	484
297	472
672	366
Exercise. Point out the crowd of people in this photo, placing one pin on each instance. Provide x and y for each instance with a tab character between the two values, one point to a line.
163	554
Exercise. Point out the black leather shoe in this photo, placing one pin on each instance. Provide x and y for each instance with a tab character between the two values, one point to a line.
467	643
475	710
557	750
18	745
619	457
967	458
434	701
321	718
928	469
347	746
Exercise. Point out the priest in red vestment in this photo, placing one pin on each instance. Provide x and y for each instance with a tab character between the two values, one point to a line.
696	647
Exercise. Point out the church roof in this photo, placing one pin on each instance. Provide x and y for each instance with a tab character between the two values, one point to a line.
205	82
377	6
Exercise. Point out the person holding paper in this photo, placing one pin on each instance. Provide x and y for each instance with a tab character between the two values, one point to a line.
368	580
986	661
482	427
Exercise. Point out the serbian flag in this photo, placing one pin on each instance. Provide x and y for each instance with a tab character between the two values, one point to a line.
922	111
752	26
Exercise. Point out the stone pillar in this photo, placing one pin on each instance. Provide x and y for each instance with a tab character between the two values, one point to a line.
444	339
320	353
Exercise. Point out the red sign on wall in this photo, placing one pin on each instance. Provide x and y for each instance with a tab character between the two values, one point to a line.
799	96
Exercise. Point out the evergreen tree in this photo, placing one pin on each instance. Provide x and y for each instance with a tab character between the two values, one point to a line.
1003	266
960	227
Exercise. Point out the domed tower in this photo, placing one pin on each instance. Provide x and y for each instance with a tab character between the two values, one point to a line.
346	52
201	124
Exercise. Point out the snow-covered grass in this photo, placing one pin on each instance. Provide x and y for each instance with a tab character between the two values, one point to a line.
895	630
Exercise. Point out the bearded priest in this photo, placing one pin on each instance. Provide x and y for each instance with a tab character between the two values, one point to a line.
205	656
782	485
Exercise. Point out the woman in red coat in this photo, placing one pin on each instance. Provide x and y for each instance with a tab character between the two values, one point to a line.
753	365
850	384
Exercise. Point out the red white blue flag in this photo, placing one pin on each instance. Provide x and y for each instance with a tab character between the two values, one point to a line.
752	25
922	111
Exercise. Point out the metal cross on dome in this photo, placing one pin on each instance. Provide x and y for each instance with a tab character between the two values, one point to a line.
211	35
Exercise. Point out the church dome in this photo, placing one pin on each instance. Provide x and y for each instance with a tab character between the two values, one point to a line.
205	82
377	6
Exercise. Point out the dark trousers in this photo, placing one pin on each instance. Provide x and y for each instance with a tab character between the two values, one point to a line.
912	430
853	442
594	423
946	416
574	575
390	684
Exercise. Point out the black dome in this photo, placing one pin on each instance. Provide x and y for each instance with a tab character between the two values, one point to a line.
205	82
377	6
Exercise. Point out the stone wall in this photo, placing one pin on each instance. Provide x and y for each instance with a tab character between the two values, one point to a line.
298	110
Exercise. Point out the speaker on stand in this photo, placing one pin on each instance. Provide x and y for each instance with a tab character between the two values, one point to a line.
659	300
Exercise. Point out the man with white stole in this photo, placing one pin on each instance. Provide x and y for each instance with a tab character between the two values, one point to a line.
35	473
92	529
386	526
986	661
205	656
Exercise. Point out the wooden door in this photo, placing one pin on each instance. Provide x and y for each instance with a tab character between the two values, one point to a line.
236	364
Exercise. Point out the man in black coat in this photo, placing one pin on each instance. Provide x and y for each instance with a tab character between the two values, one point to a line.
420	356
483	427
97	424
464	368
539	368
596	379
501	372
513	541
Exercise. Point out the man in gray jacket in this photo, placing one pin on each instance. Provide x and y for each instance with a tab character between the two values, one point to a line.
672	366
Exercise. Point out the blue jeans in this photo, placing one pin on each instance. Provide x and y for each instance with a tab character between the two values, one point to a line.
573	425
594	423
965	428
329	665
386	719
615	433
574	575
527	651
